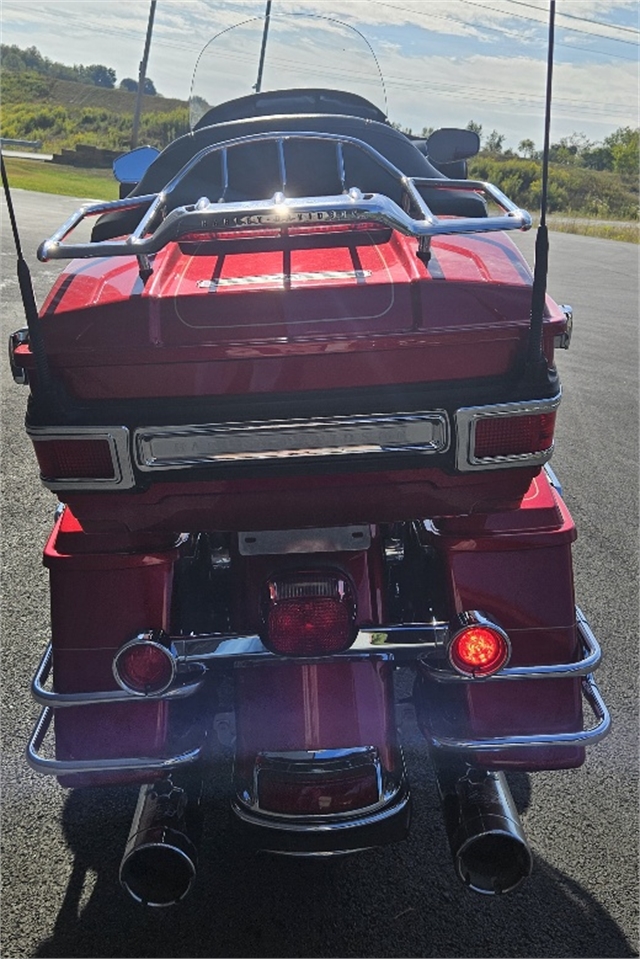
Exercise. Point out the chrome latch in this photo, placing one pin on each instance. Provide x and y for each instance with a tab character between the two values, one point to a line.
16	339
562	341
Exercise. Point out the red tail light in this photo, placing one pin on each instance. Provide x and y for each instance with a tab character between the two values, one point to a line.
72	458
513	435
310	614
144	666
318	793
479	650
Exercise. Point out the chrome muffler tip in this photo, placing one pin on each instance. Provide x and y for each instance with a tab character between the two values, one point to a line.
158	867
490	851
493	862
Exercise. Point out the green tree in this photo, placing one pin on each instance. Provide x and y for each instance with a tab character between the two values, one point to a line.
494	142
98	75
624	144
527	148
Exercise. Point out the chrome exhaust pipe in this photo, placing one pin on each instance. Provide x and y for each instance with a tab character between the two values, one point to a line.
159	863
490	851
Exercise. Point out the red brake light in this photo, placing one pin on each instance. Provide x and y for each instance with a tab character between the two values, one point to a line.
479	650
144	666
317	793
72	458
310	614
513	435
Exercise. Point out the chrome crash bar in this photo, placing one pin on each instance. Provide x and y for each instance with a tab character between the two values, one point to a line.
352	206
591	658
398	644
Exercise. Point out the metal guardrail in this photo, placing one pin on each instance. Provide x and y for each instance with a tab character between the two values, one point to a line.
24	144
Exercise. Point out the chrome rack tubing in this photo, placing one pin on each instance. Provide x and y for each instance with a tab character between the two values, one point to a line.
55	249
62	767
583	737
591	656
45	697
157	204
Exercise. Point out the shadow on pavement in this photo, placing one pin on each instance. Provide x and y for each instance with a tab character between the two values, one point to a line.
400	901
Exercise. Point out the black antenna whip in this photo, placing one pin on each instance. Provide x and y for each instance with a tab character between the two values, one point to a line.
36	342
263	49
535	355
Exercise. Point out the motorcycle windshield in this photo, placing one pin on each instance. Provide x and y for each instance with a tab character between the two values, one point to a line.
283	52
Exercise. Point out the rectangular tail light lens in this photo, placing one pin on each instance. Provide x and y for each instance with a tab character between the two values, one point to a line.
309	614
513	435
317	793
75	458
504	435
83	457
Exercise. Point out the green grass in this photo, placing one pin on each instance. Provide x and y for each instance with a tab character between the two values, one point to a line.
628	232
42	177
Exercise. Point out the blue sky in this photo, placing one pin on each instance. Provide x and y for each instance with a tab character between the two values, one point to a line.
444	62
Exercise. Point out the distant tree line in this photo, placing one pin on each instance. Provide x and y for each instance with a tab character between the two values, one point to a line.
17	60
617	153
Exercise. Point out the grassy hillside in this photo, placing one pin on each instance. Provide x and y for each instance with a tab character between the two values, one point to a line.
573	190
62	113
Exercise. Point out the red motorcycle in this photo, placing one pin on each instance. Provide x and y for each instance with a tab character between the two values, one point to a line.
296	394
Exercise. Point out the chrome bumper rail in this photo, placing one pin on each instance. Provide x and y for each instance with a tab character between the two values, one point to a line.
582	737
591	656
68	767
400	643
187	684
351	206
403	642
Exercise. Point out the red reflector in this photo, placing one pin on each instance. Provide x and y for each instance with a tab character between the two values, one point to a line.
512	435
144	667
479	651
317	793
74	458
302	627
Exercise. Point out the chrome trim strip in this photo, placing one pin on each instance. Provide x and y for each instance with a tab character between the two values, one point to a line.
353	206
66	767
183	447
591	656
118	439
398	802
582	737
467	417
45	697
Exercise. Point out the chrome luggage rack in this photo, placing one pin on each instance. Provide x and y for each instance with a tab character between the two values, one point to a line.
160	225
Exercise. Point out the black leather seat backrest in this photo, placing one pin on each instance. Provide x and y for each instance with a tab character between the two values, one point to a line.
254	171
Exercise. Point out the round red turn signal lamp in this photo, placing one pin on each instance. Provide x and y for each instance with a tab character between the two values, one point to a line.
144	666
480	648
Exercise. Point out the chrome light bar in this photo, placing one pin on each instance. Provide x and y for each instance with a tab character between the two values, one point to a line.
180	447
